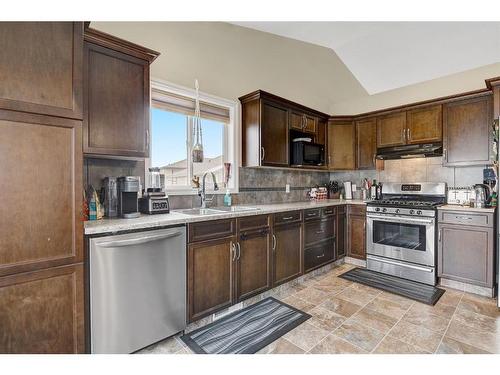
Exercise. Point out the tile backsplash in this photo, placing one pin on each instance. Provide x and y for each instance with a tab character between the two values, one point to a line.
416	170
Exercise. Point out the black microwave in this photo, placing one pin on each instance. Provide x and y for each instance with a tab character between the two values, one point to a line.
307	153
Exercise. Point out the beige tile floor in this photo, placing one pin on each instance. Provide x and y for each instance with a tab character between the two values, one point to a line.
353	318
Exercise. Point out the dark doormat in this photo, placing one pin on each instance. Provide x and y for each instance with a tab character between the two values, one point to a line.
424	293
246	331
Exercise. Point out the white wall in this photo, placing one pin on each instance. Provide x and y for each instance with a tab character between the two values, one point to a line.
230	61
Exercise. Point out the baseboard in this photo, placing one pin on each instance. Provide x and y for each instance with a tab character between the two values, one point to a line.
355	261
466	287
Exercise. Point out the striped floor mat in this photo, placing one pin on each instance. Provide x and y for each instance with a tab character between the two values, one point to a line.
247	330
410	289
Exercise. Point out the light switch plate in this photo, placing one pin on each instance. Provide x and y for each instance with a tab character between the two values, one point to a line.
287	188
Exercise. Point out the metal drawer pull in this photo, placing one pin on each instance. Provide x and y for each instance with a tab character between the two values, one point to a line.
262	153
463	217
320	231
274	242
233	249
320	256
288	218
329	212
312	214
239	250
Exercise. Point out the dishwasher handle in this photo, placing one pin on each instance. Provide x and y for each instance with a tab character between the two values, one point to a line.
138	241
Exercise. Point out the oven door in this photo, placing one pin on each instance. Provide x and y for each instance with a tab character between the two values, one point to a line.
409	239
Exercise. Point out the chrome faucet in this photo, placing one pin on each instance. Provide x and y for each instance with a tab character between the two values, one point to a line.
201	192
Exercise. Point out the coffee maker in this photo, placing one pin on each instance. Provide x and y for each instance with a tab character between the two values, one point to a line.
128	189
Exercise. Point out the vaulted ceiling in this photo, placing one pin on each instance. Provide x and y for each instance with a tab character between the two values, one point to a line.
389	55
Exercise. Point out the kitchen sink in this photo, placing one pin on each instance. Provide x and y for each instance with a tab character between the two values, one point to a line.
217	210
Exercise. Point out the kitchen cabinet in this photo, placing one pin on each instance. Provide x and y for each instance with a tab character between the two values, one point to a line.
366	143
467	131
41	68
269	122
356	232
42	311
341	145
41	169
253	259
341	232
319	238
116	96
287	247
210	276
391	130
466	247
424	125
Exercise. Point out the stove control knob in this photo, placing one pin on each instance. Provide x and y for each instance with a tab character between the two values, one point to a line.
384	210
377	209
412	212
397	210
419	212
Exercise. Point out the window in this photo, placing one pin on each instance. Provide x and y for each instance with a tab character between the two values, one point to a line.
172	138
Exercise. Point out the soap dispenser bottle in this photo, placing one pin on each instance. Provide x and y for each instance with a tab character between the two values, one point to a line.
227	199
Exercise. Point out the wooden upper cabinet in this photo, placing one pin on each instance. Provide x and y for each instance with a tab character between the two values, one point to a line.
41	67
41	312
341	145
303	122
116	96
391	130
41	158
424	125
366	143
467	130
274	134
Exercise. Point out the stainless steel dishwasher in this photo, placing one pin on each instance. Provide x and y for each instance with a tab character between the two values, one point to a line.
137	289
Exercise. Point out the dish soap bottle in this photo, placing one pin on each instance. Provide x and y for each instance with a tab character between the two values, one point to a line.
227	199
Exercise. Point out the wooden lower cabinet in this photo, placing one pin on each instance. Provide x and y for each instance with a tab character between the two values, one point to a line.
253	266
341	232
466	254
42	311
356	233
210	276
287	252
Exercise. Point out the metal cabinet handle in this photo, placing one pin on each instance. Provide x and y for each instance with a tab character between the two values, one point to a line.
312	214
439	235
320	256
262	153
409	134
239	250
320	231
274	242
374	158
233	249
288	218
463	217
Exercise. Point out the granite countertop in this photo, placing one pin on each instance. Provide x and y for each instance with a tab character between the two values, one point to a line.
175	217
456	207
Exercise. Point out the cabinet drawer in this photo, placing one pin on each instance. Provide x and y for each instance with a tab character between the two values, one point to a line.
253	222
319	230
341	209
357	209
328	211
460	217
287	217
319	254
208	230
312	214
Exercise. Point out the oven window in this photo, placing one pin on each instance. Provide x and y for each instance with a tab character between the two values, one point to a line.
408	236
311	153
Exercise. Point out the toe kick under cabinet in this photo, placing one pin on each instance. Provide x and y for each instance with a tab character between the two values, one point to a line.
466	247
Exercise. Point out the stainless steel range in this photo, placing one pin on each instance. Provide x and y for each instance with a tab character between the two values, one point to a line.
401	230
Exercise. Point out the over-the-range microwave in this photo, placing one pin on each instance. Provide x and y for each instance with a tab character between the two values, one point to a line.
307	153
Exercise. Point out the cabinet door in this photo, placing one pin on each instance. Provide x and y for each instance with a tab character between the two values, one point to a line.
465	253
116	103
210	280
274	134
366	143
41	174
253	267
287	252
310	124
297	121
467	128
341	146
357	236
42	311
41	67
425	125
391	130
341	237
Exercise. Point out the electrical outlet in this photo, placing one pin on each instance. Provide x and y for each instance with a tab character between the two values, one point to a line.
287	188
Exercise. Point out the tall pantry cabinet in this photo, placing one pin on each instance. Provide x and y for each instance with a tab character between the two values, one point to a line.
41	228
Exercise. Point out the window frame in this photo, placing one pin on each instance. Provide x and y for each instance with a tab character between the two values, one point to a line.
230	144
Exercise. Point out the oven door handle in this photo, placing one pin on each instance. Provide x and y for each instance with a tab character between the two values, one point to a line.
399	264
396	219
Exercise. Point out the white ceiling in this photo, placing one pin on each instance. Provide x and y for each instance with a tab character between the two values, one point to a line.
389	55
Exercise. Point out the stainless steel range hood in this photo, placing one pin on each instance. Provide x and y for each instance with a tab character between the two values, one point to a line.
410	151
